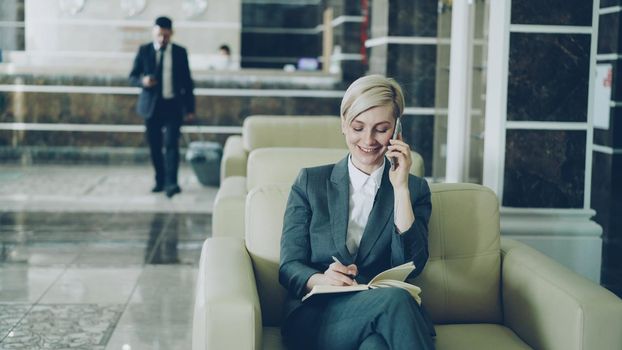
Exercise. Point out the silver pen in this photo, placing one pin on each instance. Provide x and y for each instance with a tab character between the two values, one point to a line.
339	262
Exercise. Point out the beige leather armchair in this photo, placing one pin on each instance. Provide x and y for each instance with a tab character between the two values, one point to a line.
271	165
263	131
483	292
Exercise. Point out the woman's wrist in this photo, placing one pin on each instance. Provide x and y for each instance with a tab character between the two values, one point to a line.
403	213
401	192
312	281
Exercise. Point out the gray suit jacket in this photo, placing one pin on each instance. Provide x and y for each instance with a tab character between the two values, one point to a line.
315	225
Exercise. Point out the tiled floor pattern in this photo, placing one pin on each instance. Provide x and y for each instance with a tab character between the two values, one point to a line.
98	280
57	326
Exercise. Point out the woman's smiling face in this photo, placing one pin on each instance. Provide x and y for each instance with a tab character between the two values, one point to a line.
367	137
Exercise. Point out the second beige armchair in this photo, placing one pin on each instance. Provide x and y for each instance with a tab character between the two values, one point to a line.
265	131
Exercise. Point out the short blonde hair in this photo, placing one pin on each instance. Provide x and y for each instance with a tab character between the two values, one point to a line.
369	92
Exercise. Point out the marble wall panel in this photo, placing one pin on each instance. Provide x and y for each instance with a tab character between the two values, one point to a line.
548	77
120	109
544	169
609	38
552	12
61	78
221	110
312	106
611	137
338	6
345	7
35	107
601	189
351	38
276	50
352	70
348	36
418	132
253	79
71	138
612	266
80	140
413	18
414	67
281	15
279	49
606	199
609	3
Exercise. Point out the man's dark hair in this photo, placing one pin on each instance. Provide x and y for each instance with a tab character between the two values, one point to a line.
164	22
225	48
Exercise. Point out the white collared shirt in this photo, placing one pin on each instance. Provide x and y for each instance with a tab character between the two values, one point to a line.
167	69
363	190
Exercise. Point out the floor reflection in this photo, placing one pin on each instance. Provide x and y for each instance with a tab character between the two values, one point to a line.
133	267
163	238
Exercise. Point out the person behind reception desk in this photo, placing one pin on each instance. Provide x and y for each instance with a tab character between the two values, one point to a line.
161	69
223	60
369	216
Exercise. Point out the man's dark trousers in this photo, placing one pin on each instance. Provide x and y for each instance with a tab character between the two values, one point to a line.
163	130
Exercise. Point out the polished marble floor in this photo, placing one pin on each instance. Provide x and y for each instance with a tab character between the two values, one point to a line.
90	259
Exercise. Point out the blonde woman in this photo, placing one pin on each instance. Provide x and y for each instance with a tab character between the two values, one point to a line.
370	217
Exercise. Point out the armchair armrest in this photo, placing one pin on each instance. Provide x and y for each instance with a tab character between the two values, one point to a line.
551	307
234	158
227	314
229	204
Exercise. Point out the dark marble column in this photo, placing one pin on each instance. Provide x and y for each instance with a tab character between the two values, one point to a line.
412	64
546	129
350	23
607	156
548	81
276	34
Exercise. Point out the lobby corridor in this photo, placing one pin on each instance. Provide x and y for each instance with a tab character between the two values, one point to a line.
90	259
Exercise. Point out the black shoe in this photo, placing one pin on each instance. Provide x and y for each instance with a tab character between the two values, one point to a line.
157	188
172	190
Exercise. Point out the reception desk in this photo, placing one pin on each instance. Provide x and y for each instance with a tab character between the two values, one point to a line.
47	110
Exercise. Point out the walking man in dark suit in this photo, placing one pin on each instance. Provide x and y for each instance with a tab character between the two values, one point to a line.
161	69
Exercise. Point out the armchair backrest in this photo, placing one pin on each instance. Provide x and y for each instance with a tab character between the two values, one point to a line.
261	131
461	282
265	206
282	165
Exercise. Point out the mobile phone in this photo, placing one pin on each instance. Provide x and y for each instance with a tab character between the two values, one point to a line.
396	131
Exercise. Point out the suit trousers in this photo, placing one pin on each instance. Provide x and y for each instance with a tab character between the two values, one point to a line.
162	132
382	318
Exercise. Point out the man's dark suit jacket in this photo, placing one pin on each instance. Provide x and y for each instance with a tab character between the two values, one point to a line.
316	221
145	64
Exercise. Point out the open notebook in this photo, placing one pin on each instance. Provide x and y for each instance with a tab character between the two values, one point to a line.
393	277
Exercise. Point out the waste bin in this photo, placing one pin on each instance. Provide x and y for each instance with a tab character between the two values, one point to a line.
205	160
